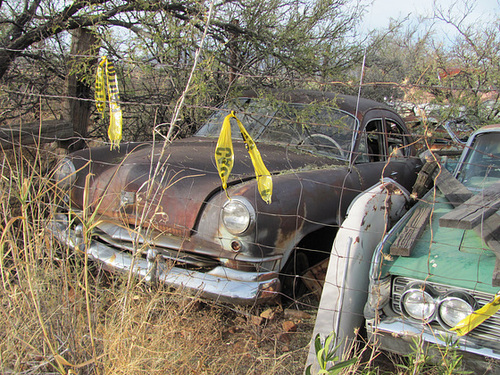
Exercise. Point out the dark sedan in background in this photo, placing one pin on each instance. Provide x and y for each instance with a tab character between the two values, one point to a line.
159	211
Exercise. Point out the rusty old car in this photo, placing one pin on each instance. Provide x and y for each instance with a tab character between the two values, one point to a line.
158	210
435	278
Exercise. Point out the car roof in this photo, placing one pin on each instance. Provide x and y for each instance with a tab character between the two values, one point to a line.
348	103
488	129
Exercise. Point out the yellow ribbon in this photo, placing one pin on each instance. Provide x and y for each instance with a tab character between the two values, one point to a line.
100	93
115	112
477	317
224	158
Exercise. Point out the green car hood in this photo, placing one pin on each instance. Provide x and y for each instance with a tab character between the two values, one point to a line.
449	256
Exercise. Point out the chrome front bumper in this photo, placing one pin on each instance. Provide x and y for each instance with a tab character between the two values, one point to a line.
397	336
221	283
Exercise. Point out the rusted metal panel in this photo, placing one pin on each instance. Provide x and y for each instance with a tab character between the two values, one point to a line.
346	285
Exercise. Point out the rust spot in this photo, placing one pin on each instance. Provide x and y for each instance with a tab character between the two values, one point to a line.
392	189
356	240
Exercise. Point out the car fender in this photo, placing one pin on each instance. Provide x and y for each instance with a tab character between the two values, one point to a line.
345	289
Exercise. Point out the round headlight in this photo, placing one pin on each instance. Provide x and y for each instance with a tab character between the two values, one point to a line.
453	309
237	215
65	174
418	304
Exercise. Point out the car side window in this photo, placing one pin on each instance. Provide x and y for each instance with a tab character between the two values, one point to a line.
374	141
396	139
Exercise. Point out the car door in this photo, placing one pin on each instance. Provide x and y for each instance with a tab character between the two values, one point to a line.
385	147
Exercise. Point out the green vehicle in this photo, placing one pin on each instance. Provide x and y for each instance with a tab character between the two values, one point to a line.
440	263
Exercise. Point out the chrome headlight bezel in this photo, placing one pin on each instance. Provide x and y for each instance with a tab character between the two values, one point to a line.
445	308
65	174
418	302
238	216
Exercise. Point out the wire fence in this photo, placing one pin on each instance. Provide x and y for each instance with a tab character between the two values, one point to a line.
148	111
149	91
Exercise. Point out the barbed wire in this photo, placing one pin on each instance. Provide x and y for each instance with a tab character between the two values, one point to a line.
351	83
248	76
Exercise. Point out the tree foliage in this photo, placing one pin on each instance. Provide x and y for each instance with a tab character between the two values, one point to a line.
470	67
447	61
248	42
395	58
311	44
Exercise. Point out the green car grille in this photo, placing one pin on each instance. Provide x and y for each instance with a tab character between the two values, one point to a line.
488	333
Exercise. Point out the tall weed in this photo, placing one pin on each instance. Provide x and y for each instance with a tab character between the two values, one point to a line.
61	313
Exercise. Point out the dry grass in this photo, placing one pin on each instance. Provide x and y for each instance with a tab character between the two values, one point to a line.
60	314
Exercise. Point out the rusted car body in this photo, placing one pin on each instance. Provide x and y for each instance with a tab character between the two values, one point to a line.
159	211
422	291
345	289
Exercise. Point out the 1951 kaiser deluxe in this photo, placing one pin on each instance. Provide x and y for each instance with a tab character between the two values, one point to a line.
436	275
159	211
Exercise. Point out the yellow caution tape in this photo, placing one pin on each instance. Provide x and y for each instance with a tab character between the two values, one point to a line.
224	155
115	115
100	93
477	317
115	123
264	179
224	158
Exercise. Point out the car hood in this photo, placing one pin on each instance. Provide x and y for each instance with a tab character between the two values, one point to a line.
118	183
443	255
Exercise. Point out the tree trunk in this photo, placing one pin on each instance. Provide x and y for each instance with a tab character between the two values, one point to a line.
83	58
6	58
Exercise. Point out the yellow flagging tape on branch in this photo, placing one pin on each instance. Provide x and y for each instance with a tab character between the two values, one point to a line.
224	158
115	113
477	317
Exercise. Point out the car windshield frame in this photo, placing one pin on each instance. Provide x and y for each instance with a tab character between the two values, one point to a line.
481	166
317	127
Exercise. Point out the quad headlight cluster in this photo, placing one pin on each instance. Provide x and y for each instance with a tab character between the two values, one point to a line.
423	303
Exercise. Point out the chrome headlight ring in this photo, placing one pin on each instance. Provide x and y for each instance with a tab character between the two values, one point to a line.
238	215
418	302
455	306
421	302
65	174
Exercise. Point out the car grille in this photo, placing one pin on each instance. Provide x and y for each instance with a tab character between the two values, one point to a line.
488	331
172	255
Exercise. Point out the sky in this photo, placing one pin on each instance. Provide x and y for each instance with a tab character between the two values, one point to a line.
381	10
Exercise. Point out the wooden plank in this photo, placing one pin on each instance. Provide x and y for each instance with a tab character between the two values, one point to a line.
496	273
474	210
488	229
412	231
36	132
425	179
453	189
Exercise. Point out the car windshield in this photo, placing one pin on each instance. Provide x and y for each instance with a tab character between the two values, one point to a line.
481	167
315	127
